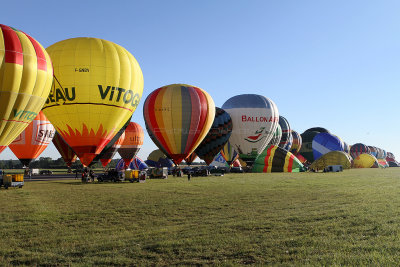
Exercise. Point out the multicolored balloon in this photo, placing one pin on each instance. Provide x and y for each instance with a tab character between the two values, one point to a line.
66	152
178	117
135	164
286	139
216	138
158	159
132	143
189	159
26	75
33	140
98	85
229	153
277	159
297	142
358	149
254	119
276	138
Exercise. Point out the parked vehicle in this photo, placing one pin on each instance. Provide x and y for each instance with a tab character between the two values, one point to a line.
12	180
111	175
46	172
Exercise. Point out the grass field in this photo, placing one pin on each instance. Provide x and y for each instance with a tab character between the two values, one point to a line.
349	218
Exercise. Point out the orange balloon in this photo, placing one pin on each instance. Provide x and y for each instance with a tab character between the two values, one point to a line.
133	142
33	140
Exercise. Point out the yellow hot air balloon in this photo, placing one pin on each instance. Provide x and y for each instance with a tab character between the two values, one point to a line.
26	74
98	86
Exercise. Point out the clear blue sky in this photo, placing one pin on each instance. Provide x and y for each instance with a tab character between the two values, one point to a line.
334	64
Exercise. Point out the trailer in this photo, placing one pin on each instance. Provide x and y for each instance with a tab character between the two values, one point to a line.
12	180
333	168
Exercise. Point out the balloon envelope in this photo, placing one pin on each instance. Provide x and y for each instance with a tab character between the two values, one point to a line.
132	143
33	140
229	153
97	88
178	117
277	159
364	160
306	148
276	138
216	137
254	119
332	158
106	157
189	159
324	143
64	149
286	139
297	142
135	164
358	149
158	159
26	75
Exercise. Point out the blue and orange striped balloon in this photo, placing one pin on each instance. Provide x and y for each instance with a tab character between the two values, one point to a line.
178	117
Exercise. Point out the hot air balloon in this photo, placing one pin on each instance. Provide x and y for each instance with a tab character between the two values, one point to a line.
219	162
346	148
324	143
286	139
33	140
297	142
189	159
26	75
133	142
158	159
109	151
254	119
332	158
364	160
276	138
178	117
373	150
216	137
358	149
380	153
229	153
306	148
391	160
64	149
98	86
106	157
277	159
135	164
317	129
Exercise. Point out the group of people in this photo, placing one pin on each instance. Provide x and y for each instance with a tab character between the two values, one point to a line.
87	175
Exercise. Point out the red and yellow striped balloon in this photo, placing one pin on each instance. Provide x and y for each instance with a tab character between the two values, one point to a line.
26	75
177	118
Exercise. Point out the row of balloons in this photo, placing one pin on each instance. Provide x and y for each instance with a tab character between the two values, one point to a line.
88	88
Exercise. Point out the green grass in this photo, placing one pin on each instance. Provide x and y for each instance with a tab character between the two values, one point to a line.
349	218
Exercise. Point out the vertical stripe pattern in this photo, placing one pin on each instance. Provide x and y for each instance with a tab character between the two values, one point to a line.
177	118
26	75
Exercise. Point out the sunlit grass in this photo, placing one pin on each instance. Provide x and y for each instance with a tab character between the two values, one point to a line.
349	218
